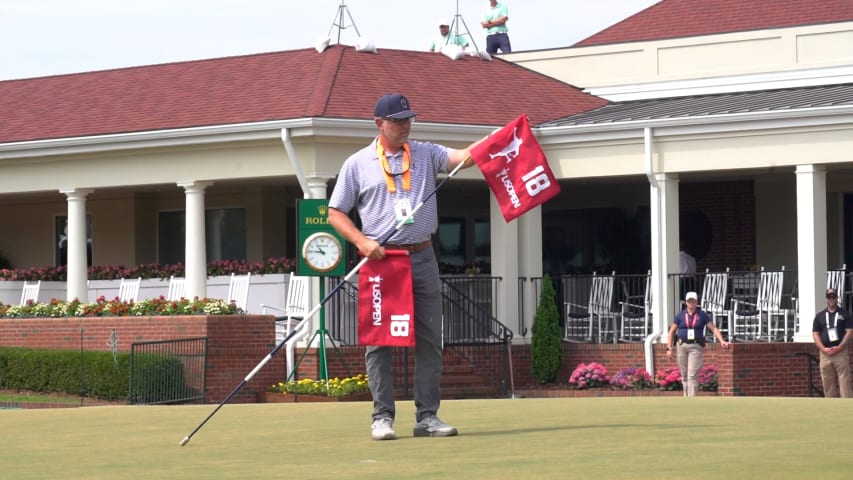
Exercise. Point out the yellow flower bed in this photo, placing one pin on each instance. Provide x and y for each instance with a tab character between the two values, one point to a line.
335	387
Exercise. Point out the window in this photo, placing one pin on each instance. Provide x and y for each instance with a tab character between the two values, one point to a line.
225	233
451	239
60	242
455	248
482	242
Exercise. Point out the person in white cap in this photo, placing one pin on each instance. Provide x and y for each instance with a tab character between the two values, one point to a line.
445	38
688	330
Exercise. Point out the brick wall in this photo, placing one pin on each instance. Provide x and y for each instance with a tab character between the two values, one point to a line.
236	344
749	369
729	208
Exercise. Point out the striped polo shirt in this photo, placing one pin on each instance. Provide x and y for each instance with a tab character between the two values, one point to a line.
361	185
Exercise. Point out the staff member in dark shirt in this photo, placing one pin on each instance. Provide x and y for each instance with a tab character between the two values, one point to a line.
831	331
688	329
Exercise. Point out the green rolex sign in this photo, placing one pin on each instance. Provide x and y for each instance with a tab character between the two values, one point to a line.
322	252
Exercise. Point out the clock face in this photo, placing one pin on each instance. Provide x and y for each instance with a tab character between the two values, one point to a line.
322	252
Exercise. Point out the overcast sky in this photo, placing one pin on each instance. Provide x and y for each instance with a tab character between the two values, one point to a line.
49	37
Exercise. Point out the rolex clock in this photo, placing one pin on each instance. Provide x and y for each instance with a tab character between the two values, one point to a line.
322	252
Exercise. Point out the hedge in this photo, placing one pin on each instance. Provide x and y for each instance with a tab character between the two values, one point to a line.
88	373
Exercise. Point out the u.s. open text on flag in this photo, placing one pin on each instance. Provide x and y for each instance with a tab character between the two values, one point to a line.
516	169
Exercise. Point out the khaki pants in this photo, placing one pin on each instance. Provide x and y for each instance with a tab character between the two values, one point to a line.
835	374
690	357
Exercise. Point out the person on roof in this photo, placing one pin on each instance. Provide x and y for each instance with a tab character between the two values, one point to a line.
494	21
444	37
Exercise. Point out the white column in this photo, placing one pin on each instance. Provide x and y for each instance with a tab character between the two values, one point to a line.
77	239
504	237
530	266
195	253
664	229
811	245
317	185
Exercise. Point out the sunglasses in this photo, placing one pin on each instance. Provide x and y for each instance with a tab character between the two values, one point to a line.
401	120
832	295
395	174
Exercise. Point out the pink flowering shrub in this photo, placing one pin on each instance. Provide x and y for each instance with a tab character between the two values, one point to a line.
670	378
708	375
589	375
632	377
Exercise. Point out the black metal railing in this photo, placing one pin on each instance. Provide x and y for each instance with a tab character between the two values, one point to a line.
469	309
167	371
470	326
341	312
813	366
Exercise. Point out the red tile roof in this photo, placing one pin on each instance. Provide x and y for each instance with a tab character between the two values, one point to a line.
689	18
339	83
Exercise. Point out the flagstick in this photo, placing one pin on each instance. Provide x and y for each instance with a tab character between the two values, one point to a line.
511	376
316	308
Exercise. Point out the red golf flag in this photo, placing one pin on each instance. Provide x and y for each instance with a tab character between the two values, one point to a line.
516	169
386	311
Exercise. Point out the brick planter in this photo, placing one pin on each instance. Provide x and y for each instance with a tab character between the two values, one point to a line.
604	392
273	397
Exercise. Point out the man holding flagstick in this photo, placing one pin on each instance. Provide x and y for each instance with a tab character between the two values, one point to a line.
385	181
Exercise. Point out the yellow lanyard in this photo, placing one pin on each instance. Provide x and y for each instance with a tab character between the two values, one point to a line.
386	168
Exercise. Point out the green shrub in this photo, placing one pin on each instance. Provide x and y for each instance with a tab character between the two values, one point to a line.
95	374
157	379
545	349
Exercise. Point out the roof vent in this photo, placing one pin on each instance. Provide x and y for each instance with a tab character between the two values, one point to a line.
339	22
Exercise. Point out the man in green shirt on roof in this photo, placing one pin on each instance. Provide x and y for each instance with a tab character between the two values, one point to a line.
446	38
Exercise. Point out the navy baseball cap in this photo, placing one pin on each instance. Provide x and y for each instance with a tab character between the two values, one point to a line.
393	106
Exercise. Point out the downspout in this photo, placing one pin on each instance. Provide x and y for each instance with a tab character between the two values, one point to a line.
656	292
297	168
302	328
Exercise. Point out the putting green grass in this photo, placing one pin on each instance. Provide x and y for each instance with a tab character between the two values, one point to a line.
578	438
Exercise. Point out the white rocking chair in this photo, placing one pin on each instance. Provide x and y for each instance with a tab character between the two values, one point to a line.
713	301
748	318
581	319
295	307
